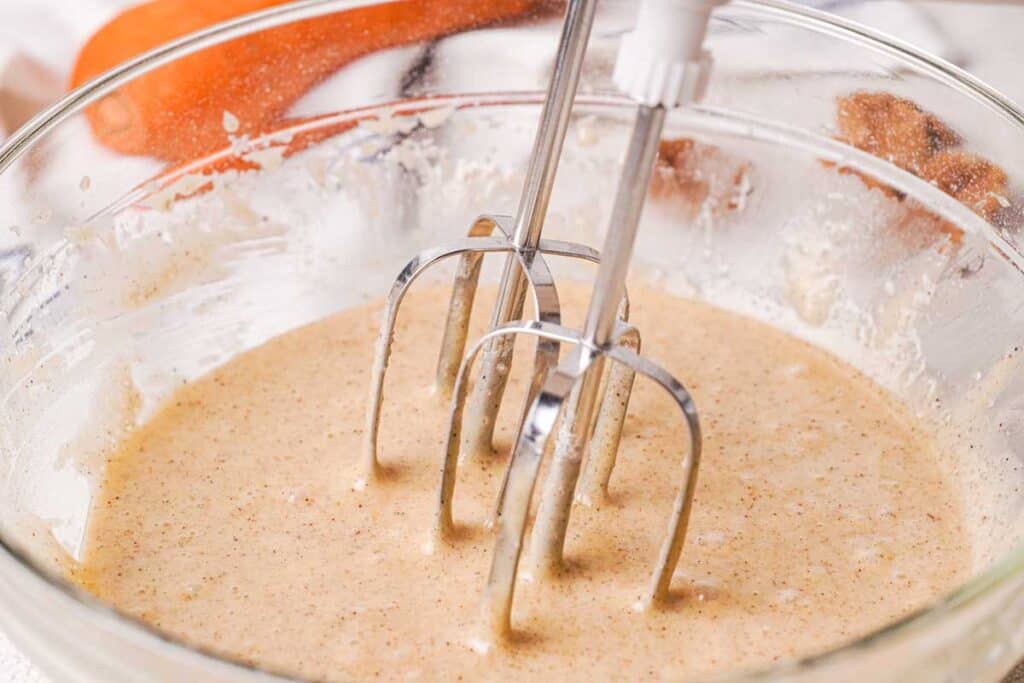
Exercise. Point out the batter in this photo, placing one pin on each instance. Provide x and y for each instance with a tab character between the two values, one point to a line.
230	520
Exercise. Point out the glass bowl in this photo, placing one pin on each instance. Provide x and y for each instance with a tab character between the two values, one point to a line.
128	272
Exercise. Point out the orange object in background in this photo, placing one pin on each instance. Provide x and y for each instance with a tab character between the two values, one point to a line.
176	113
903	133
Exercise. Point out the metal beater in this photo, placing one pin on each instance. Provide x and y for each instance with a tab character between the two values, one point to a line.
660	65
526	269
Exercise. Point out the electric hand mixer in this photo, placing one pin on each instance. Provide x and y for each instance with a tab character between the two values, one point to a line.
660	65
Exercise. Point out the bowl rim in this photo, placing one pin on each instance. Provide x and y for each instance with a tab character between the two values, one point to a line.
133	629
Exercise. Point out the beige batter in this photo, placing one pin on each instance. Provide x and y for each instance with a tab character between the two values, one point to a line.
230	520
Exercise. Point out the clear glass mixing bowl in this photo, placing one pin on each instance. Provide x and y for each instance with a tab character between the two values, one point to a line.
124	275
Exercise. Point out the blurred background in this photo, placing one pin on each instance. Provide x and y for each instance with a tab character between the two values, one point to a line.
39	40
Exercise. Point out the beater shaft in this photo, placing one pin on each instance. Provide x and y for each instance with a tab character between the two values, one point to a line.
496	359
548	536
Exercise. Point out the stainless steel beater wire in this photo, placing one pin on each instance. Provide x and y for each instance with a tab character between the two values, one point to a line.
548	535
488	391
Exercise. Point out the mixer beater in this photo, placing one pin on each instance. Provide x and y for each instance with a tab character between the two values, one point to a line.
525	268
660	65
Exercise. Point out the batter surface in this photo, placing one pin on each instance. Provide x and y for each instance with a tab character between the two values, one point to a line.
229	519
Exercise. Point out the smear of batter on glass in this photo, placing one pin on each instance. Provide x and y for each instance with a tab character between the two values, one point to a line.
229	519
